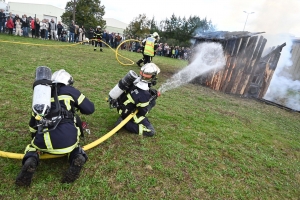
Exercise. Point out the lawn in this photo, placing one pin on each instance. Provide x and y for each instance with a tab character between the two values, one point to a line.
208	145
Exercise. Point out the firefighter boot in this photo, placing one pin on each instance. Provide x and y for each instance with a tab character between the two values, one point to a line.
73	172
139	62
101	50
28	169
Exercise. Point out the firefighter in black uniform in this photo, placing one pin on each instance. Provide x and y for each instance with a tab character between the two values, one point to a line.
142	98
64	139
98	38
149	46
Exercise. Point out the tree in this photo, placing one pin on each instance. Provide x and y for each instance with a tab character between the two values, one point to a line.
88	13
141	26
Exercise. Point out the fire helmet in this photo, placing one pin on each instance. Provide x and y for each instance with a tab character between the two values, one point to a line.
149	71
98	26
61	76
155	35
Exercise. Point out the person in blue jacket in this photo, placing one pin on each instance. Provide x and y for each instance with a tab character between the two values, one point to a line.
64	138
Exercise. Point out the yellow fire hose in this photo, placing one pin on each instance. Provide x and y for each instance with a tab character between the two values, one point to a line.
96	142
86	147
52	45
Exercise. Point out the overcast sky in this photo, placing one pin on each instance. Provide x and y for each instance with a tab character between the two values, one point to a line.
270	16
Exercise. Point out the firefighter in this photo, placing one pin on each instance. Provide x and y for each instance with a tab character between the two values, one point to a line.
149	46
139	97
60	139
98	37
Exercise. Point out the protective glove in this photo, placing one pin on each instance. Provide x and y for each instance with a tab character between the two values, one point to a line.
153	93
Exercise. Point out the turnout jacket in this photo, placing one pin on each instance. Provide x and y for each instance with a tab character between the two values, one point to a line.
98	34
134	99
149	46
65	137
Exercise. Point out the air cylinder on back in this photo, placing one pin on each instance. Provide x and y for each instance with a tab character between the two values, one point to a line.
41	102
124	84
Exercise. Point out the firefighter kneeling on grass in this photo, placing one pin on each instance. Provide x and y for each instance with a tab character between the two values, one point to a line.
54	125
133	93
98	37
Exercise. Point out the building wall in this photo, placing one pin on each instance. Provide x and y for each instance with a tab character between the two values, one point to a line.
115	26
44	11
41	11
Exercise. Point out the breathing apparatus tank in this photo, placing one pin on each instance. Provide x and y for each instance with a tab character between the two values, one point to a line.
124	84
41	102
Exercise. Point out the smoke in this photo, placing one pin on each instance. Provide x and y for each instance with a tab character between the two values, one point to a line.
279	27
283	89
208	56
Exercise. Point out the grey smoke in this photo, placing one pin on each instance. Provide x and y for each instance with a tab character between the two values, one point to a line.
283	89
208	56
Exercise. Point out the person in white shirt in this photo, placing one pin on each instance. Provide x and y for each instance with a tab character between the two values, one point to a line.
18	27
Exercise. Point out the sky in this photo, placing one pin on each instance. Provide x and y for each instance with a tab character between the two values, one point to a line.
276	16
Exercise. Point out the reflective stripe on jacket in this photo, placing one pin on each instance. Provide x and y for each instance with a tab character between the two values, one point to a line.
149	46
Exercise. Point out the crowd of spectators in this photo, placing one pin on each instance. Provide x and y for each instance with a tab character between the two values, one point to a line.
48	29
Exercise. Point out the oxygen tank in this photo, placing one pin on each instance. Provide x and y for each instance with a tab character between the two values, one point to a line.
41	102
124	84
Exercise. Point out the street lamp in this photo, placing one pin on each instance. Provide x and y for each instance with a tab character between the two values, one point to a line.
247	18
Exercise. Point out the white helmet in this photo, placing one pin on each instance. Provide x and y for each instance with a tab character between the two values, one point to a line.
149	71
98	26
61	76
155	34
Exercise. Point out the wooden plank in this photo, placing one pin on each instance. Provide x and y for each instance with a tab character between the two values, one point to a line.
244	75
226	76
245	88
241	63
266	81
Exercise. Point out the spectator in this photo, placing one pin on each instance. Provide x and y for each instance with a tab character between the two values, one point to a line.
110	37
10	25
113	40
72	31
91	35
133	46
64	35
53	29
107	38
18	27
32	25
25	25
104	36
43	26
2	21
118	40
47	28
37	27
80	35
137	45
15	19
76	33
182	53
59	30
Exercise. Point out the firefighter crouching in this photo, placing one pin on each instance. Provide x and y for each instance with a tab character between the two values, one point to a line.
59	132
139	96
98	36
149	46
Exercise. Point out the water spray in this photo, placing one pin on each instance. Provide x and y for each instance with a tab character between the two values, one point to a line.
208	56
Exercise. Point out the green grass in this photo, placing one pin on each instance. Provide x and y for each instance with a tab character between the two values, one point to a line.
209	145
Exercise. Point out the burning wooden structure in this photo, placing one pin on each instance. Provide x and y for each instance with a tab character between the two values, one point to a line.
247	72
